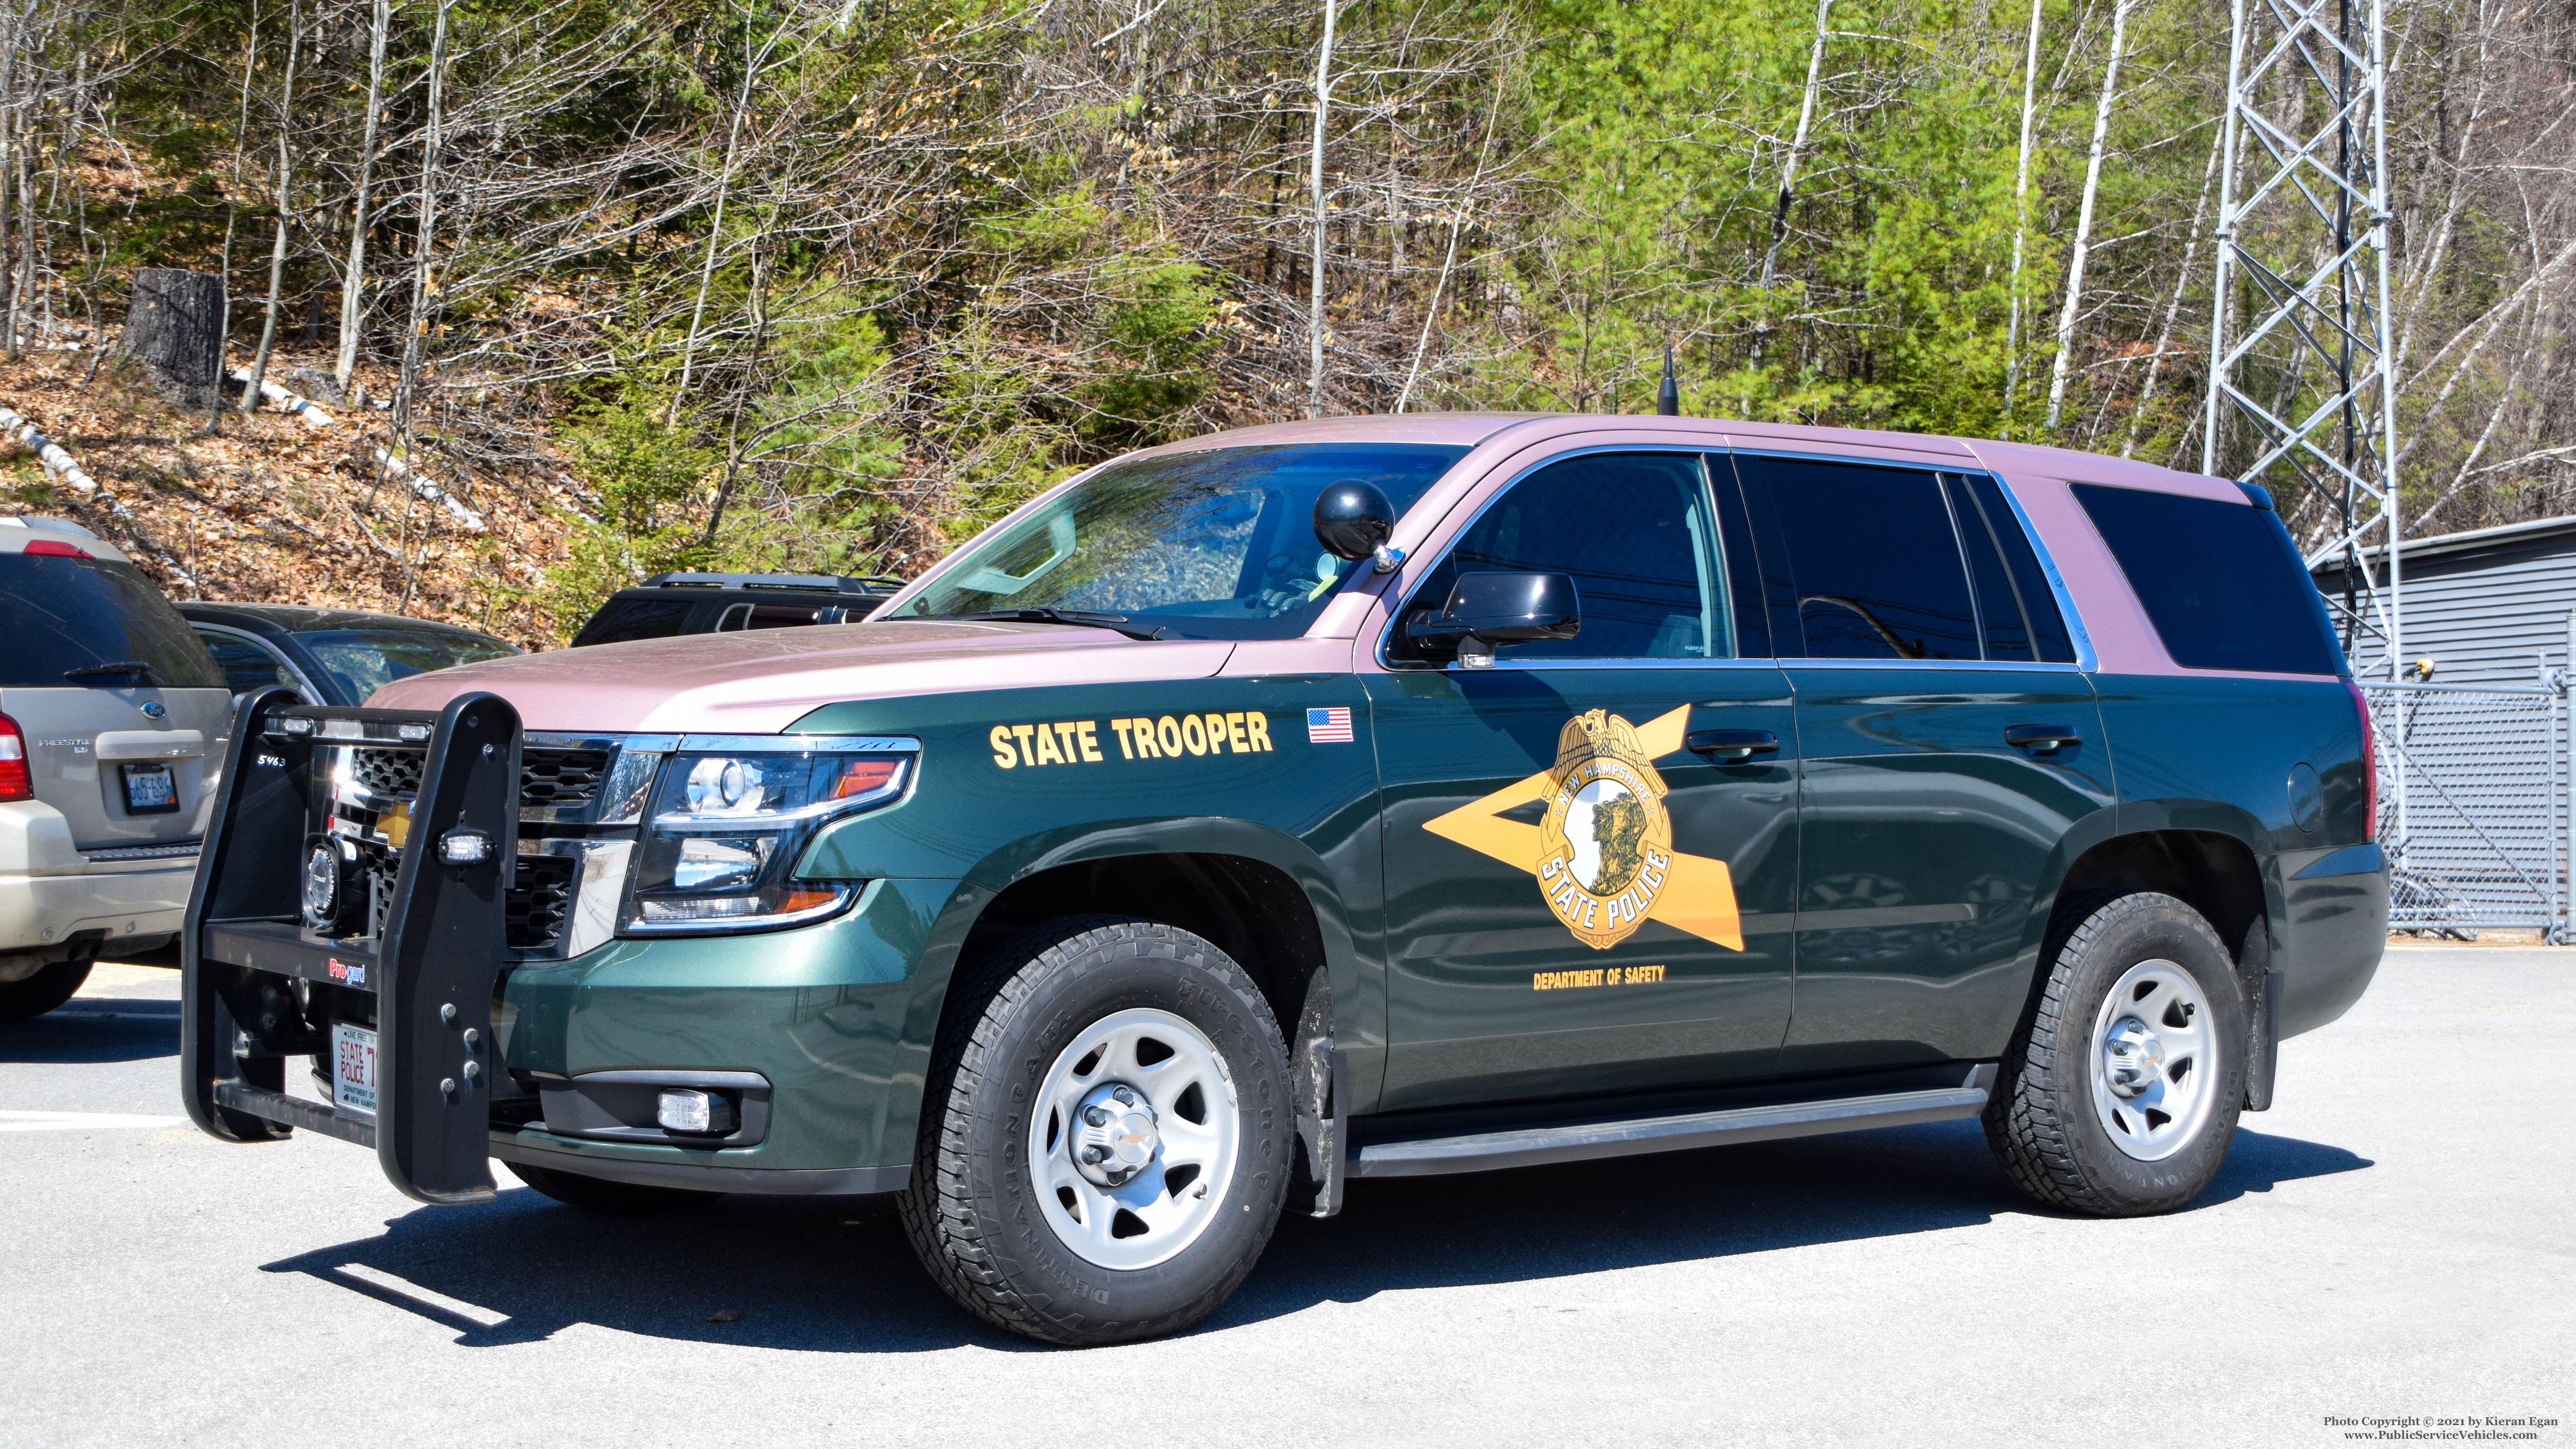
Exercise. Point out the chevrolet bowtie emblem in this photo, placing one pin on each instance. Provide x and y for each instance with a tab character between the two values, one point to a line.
1603	856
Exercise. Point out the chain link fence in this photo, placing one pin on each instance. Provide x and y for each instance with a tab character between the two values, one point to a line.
2474	804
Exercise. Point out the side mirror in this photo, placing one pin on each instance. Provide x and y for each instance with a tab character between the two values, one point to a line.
1353	520
1500	608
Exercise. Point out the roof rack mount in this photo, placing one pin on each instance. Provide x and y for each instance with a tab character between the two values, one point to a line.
825	583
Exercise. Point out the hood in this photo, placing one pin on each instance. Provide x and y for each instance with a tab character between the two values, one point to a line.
761	682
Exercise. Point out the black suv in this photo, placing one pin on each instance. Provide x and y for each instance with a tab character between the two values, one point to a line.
668	604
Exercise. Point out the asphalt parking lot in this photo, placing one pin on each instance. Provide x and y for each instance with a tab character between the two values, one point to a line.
2392	1240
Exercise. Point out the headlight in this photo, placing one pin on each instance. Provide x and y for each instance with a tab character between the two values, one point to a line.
727	824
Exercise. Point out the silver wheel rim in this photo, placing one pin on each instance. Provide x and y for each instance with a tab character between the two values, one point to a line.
1147	1093
2154	1061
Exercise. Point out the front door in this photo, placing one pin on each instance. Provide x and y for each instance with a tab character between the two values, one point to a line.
1577	902
1925	828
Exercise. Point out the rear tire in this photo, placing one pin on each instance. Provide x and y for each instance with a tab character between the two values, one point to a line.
599	1195
1170	1044
50	987
2120	1093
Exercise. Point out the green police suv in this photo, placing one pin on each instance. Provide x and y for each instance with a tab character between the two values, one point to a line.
1338	800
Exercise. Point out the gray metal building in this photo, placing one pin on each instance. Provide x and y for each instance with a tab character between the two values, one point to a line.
2487	607
2474	763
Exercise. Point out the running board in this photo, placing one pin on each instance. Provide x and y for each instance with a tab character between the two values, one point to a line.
1533	1146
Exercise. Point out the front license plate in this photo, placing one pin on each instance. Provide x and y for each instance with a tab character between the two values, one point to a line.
149	790
353	1069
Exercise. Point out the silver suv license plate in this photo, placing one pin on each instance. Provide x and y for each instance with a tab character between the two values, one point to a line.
353	1069
149	790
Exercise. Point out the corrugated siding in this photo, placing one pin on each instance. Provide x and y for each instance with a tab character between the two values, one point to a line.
2483	616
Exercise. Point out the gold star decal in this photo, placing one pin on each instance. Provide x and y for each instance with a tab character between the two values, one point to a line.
1697	894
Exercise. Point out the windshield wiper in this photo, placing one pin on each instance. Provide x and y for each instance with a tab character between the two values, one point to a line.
143	673
1085	617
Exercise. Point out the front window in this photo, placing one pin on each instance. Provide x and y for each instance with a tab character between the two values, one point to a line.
363	661
1212	545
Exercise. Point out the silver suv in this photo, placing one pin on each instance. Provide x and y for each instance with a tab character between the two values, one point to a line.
113	723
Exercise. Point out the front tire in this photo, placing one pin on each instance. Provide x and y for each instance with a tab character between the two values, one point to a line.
1106	1135
2121	1091
50	987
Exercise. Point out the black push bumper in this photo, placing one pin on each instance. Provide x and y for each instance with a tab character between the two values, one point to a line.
429	968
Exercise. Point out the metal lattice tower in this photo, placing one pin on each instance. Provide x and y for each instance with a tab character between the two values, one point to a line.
2300	361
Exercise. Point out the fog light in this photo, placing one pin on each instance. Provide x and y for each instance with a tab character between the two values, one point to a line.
687	1109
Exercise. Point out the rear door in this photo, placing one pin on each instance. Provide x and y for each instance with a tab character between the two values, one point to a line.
1575	901
1921	643
128	758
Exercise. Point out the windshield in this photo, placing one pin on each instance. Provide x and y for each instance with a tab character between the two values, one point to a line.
363	661
1213	545
60	614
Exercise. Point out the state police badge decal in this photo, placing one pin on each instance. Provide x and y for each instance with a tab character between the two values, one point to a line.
1606	841
1602	854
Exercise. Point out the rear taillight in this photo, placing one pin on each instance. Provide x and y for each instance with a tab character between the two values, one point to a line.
15	783
54	548
2369	764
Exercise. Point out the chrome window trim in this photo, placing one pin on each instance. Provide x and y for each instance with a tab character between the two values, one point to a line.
1395	610
2017	666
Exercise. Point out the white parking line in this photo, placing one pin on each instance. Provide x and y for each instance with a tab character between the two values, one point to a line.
11	1121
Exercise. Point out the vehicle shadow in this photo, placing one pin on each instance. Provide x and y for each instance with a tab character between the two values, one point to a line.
95	1029
837	1276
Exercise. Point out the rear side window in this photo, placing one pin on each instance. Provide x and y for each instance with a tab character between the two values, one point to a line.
246	665
61	615
2021	562
2221	581
620	620
1872	557
767	616
2013	599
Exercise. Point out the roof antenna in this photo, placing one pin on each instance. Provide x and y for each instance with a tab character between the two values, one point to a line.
1668	397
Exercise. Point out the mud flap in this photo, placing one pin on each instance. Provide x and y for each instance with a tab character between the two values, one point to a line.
1322	1141
2262	1015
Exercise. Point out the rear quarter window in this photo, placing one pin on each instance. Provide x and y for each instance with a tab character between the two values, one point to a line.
59	614
2221	582
621	620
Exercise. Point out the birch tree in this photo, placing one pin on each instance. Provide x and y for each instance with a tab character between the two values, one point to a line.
1315	266
284	178
353	282
2073	309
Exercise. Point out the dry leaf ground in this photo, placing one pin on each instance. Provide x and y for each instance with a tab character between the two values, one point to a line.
273	510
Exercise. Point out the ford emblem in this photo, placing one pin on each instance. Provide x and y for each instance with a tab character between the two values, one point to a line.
154	709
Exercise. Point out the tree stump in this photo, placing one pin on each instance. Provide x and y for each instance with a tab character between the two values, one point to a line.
174	321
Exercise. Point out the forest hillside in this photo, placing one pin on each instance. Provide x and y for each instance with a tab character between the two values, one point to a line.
591	289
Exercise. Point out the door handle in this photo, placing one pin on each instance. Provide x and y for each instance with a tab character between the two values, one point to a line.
1731	746
2042	739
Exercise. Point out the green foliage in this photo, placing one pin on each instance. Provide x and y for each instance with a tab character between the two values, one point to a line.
651	482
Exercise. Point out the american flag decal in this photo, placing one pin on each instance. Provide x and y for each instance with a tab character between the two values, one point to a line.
1328	726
